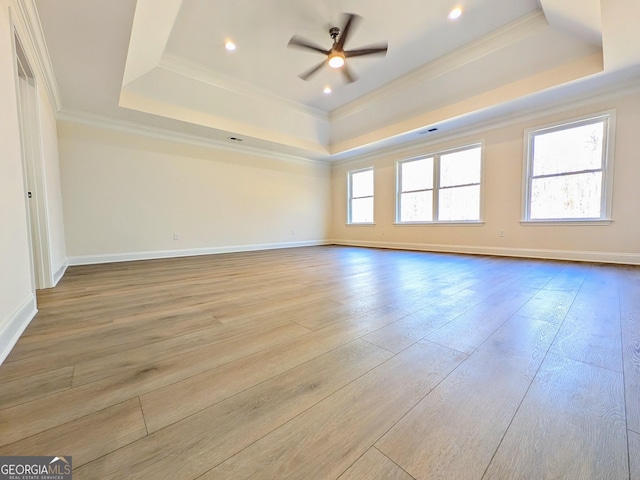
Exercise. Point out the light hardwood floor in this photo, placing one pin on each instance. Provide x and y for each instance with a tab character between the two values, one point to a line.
332	362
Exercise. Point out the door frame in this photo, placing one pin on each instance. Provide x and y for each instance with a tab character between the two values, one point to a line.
33	169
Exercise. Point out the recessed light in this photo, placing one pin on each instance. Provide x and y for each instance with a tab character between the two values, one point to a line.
327	90
455	13
229	45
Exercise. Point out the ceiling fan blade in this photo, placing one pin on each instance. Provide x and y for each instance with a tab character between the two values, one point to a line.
306	75
352	18
302	43
371	50
349	74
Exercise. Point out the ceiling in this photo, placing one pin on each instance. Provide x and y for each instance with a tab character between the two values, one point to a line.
161	64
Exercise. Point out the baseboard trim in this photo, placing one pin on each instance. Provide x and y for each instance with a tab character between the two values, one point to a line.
571	255
192	252
58	274
12	327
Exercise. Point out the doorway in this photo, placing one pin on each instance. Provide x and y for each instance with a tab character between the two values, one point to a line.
33	170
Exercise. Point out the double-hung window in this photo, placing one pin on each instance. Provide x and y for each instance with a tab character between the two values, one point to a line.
569	171
441	187
360	196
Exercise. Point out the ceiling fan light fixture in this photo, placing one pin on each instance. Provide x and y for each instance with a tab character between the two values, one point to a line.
336	56
336	60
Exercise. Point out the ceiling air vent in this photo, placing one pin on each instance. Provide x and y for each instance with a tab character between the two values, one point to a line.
234	139
431	130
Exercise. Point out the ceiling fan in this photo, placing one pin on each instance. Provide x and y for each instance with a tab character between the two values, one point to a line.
337	55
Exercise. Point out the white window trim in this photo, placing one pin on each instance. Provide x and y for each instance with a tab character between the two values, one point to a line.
436	186
567	222
350	173
442	223
609	116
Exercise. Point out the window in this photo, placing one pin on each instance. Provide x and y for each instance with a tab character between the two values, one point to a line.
443	187
568	171
361	196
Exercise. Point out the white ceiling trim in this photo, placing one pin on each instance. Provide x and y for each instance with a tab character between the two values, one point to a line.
125	126
201	73
31	35
542	108
478	104
559	104
143	98
497	40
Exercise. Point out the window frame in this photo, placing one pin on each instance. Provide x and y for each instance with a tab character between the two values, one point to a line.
350	197
436	187
609	119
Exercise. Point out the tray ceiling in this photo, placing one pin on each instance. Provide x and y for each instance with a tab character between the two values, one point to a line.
162	64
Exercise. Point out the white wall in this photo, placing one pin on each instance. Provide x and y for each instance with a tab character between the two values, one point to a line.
504	152
125	195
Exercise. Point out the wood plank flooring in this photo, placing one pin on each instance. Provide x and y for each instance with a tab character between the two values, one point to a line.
332	363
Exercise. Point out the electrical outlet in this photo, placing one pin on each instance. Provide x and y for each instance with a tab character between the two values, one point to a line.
293	232
176	236
501	233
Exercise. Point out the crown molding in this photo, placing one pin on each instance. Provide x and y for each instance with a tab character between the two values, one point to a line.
587	98
497	40
29	27
125	126
201	73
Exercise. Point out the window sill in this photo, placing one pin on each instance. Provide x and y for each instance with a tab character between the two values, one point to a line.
360	224
565	222
471	223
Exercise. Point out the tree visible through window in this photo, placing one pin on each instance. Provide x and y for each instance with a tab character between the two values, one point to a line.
361	196
444	187
566	171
